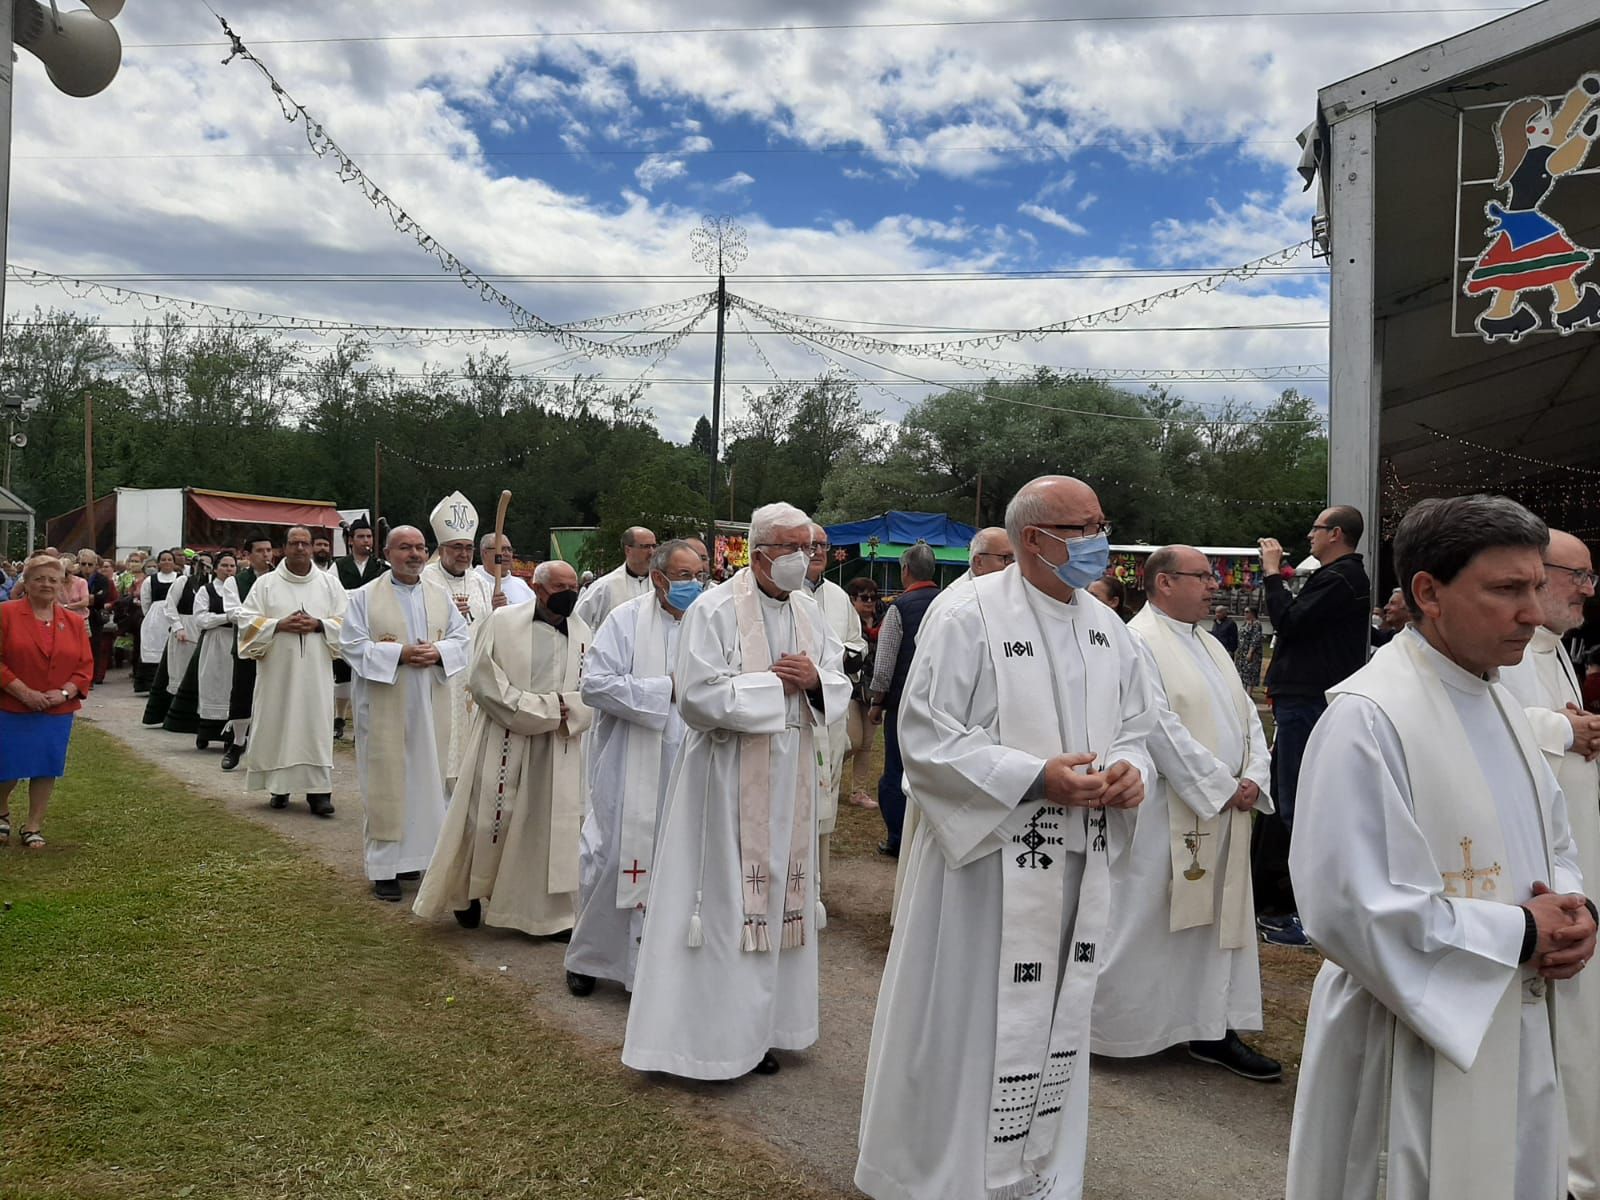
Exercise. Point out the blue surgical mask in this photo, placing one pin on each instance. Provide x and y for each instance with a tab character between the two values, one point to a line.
683	592
1088	559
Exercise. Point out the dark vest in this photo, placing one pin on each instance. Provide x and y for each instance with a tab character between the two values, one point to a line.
913	607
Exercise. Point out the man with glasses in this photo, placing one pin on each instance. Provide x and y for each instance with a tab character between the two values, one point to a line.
1321	639
1182	965
841	615
1546	682
628	581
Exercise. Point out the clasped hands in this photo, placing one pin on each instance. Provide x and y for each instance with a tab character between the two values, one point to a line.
1118	786
1245	796
1566	932
798	672
1585	731
298	622
43	701
422	654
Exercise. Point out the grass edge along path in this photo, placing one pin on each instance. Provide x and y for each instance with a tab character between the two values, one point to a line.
190	1006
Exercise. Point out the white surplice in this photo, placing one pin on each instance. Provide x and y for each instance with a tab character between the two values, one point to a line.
478	592
1413	973
216	652
378	662
1159	987
835	604
713	1011
291	731
627	704
1545	682
925	1118
608	592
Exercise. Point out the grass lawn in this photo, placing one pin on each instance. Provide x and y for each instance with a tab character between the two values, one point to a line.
191	1007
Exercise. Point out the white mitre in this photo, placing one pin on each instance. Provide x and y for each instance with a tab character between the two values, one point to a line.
453	519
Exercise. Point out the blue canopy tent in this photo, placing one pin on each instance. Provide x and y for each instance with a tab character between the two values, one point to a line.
894	533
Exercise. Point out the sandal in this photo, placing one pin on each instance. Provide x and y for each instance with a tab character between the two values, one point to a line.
32	839
5	828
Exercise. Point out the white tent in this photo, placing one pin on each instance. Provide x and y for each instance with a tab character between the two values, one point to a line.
13	511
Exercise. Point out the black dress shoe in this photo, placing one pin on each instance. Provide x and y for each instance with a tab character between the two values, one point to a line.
202	742
230	760
386	889
277	800
409	875
1234	1055
564	935
767	1066
471	916
888	851
320	803
579	985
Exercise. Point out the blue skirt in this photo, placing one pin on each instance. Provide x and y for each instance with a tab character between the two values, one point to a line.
33	745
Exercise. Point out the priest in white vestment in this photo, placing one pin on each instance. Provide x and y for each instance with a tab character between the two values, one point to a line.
508	853
290	625
403	639
1548	686
629	580
455	521
988	552
728	967
1181	965
1436	872
514	588
627	681
1022	727
841	615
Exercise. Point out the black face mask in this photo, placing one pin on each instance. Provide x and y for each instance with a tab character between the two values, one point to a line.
562	603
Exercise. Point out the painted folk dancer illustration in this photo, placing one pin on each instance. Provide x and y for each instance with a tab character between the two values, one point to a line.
1530	252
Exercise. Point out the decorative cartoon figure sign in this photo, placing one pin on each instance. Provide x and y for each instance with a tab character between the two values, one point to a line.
1528	252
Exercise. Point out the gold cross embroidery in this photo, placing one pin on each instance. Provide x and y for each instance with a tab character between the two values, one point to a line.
1469	875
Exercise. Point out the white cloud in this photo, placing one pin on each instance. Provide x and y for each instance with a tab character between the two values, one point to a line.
1043	212
658	168
735	182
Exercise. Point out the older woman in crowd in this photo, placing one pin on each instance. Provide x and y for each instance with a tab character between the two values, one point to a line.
45	669
863	594
74	587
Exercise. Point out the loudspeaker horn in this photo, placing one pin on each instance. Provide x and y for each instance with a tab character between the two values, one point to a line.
19	440
81	54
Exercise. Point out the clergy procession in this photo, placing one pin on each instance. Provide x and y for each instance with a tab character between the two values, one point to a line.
648	769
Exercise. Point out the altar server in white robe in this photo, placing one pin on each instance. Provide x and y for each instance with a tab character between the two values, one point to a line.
404	639
728	967
1182	964
290	625
629	580
1547	685
508	854
842	617
1436	872
1022	727
455	521
513	587
988	552
627	680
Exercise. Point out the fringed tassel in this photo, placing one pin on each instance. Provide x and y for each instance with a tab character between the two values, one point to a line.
794	931
1020	1190
697	936
754	938
822	916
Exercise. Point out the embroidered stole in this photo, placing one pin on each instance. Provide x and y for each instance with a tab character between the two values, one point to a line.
641	788
1473	1137
1194	841
1041	1035
383	745
755	782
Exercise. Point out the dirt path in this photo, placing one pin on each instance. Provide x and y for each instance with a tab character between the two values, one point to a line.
1164	1126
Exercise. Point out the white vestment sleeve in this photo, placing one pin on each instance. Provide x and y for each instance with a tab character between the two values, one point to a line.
1551	729
378	662
524	713
335	617
714	695
1371	897
1196	776
610	686
256	629
1568	868
830	671
455	648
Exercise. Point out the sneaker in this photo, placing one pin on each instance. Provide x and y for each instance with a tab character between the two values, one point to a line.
1283	931
1232	1054
862	799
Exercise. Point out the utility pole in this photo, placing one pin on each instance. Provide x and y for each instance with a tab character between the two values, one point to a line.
377	487
977	504
718	246
716	408
88	469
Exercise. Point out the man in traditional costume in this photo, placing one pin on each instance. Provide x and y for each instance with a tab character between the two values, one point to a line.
1023	726
841	615
728	966
508	853
627	681
403	638
236	734
455	522
513	587
355	570
1437	874
290	626
1548	687
1181	965
631	579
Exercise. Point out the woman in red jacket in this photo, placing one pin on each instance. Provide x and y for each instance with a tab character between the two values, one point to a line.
45	667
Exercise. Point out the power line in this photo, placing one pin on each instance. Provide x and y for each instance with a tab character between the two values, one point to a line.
1023	274
839	26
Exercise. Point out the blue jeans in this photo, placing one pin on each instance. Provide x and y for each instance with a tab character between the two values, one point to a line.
891	795
1296	717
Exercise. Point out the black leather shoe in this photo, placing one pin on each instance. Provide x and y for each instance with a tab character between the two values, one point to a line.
579	985
767	1066
277	800
1234	1055
230	760
409	875
386	889
202	742
888	851
564	935
470	916
320	803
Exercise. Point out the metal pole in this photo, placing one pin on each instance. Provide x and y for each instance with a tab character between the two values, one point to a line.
716	415
377	488
11	430
88	467
8	68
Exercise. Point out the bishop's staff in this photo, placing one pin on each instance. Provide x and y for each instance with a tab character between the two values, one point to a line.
499	538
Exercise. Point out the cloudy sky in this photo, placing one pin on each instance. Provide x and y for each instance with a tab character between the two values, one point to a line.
894	168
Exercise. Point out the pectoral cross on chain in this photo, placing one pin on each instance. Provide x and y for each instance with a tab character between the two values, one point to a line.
1469	875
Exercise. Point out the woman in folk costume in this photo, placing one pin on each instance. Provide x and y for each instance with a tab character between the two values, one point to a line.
455	527
200	705
182	641
157	620
1531	252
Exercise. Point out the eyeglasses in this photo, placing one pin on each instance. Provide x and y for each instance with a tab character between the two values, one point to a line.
1093	529
686	576
1324	528
1008	559
1579	576
803	547
1211	575
818	548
